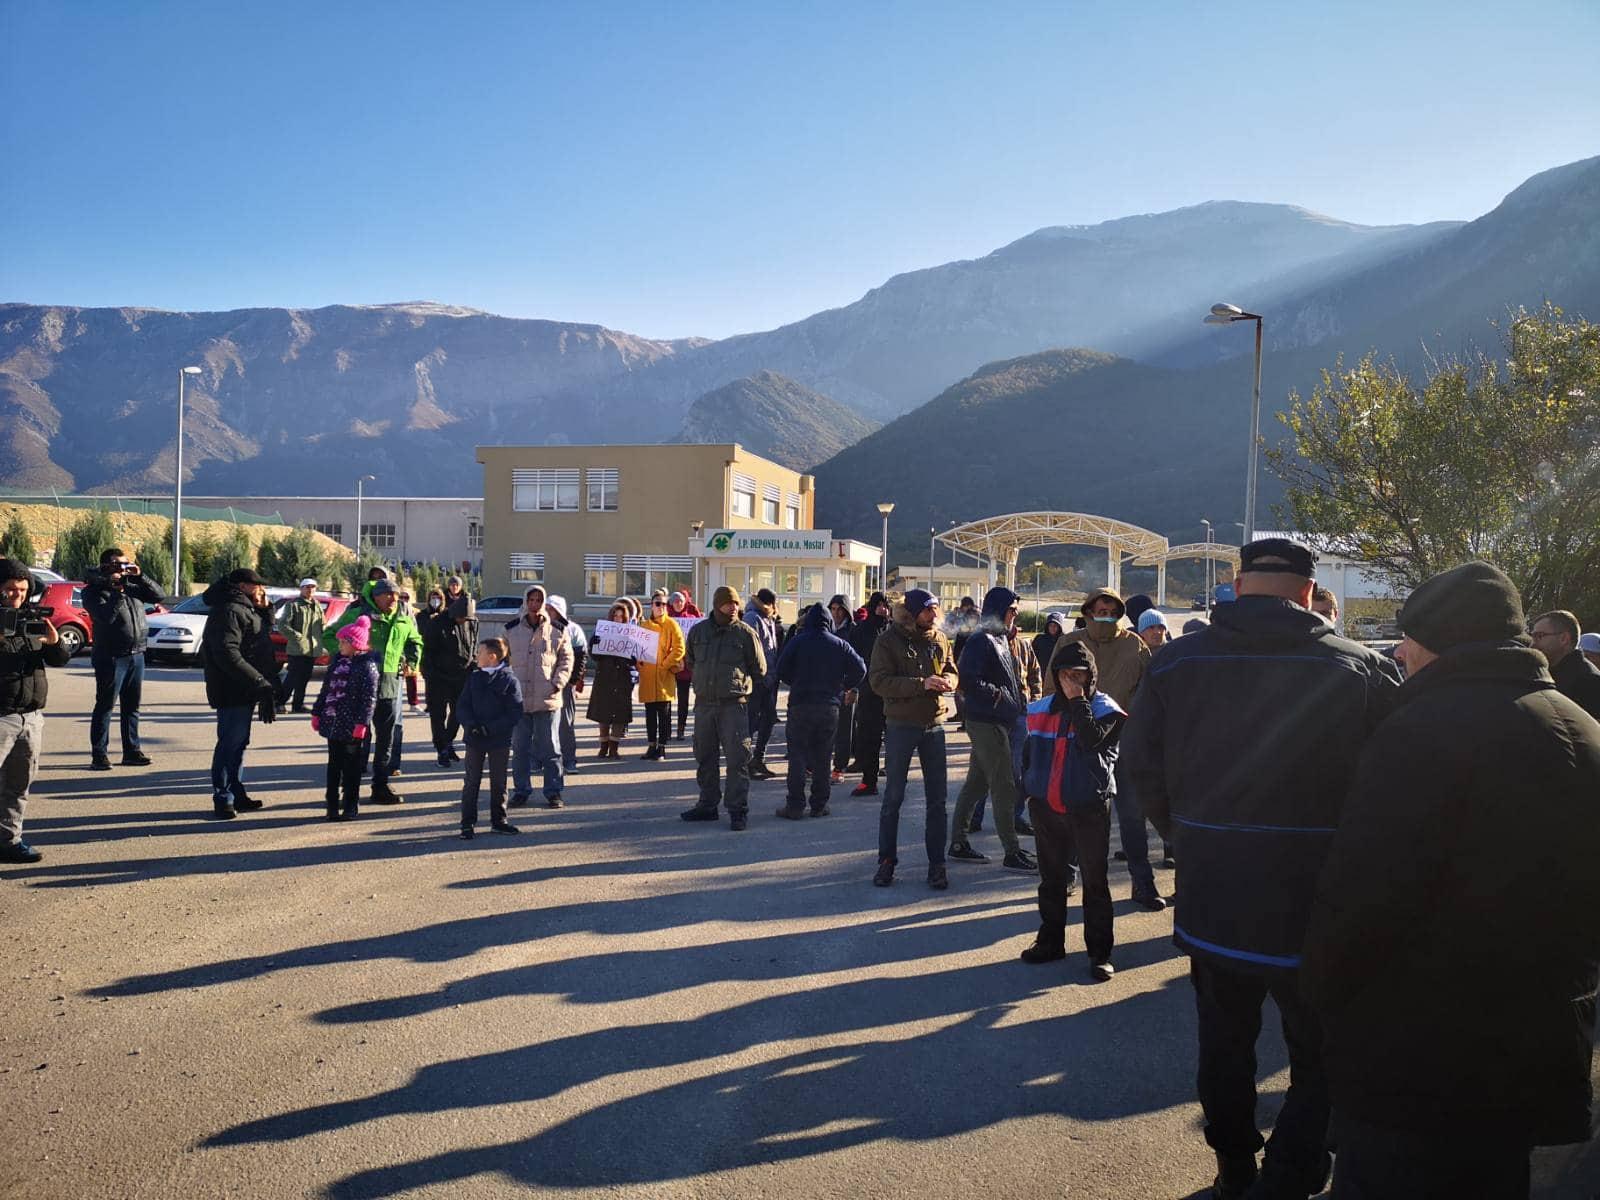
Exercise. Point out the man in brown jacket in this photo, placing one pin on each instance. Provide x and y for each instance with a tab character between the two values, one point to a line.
912	669
1121	657
541	659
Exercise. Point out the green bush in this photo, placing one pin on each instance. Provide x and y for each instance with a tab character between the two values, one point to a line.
78	549
16	542
201	555
355	569
233	552
155	560
287	560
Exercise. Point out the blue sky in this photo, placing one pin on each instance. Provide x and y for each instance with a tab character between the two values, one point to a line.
698	168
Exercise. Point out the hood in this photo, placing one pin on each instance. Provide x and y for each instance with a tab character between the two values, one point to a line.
995	602
874	600
1122	606
1278	623
760	609
1073	656
817	620
222	592
1062	623
1136	607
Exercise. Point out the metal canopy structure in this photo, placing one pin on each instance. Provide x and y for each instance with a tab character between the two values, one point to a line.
1002	539
1217	551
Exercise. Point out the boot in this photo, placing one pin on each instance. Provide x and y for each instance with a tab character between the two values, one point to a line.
1235	1174
1049	946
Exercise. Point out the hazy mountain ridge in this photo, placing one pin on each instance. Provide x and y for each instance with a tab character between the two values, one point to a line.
777	418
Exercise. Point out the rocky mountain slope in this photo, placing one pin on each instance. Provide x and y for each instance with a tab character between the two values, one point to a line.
777	418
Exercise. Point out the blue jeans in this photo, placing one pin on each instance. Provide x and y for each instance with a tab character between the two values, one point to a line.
533	748
227	760
1135	841
900	742
116	679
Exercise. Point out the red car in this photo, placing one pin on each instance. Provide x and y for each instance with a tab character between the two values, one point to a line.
332	609
69	617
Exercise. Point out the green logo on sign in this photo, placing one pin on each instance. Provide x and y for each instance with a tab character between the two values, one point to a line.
720	542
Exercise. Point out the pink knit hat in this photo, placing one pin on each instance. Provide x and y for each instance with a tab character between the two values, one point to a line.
358	633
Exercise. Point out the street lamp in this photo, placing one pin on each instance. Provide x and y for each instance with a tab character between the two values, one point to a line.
177	488
1038	571
363	479
1227	314
1206	573
932	534
884	510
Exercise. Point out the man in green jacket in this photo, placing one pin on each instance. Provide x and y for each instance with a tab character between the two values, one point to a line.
300	623
726	660
397	648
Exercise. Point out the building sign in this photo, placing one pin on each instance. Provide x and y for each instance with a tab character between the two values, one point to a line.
758	543
625	641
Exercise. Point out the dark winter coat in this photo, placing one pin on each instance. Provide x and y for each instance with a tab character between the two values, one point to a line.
1579	681
491	701
23	685
1240	748
863	637
348	698
768	636
236	668
611	693
117	615
725	658
1454	948
817	664
990	688
448	649
1070	757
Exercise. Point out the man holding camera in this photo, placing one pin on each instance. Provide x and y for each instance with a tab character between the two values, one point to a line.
28	644
114	597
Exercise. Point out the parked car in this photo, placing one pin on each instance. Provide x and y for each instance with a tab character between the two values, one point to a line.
71	619
504	609
175	634
332	609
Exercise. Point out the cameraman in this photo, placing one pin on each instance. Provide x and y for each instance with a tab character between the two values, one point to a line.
28	644
114	597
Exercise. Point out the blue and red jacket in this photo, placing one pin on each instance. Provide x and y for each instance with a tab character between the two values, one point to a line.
1071	752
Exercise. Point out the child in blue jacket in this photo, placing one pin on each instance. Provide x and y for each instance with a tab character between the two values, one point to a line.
343	714
489	709
1067	772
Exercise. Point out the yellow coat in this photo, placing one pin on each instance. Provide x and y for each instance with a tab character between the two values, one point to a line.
658	680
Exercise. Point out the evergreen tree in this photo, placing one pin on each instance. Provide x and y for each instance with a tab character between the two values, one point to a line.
16	542
78	550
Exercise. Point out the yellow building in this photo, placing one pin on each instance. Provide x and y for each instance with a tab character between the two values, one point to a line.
595	522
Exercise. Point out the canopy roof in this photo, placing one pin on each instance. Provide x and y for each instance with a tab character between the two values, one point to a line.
1003	538
1219	551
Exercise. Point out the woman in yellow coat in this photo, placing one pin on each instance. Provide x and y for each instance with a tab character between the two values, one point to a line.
658	682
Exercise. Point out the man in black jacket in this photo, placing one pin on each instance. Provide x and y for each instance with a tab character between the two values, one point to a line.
1458	1001
28	644
239	671
868	747
1241	745
1555	635
114	597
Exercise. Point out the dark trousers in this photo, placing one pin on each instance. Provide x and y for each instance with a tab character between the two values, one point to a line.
1019	737
443	692
499	759
296	675
227	759
346	762
385	732
1135	841
116	680
1063	840
658	722
763	715
869	738
567	729
1228	1003
685	686
1375	1163
809	735
722	728
990	771
843	735
900	742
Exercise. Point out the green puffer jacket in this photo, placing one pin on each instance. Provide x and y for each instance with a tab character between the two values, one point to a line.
301	623
725	658
395	638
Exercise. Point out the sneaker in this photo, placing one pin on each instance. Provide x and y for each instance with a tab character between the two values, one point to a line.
1120	855
1024	829
467	833
136	758
1150	902
963	852
454	757
761	771
1169	862
862	789
385	796
852	768
975	826
1043	951
884	875
1101	972
518	800
396	771
554	802
19	852
247	804
938	880
223	812
100	763
821	812
1235	1174
1019	860
836	777
444	759
791	814
697	813
737	823
504	827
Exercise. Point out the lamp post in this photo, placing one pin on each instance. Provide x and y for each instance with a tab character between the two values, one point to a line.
1206	574
884	510
177	488
1227	314
1038	573
359	481
932	534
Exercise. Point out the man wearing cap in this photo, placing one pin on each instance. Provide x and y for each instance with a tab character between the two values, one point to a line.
868	750
542	660
1121	656
240	674
727	661
396	646
1556	635
29	643
761	615
1453	946
1241	746
300	623
1589	647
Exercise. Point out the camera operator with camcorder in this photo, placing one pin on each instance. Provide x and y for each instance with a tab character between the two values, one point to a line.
115	597
28	644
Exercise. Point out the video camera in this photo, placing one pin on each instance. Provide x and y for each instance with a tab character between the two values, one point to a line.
29	621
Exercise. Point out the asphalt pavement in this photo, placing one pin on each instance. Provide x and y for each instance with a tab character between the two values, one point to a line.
613	1002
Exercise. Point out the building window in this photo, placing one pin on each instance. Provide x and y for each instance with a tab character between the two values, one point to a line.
602	489
335	531
545	491
850	585
791	517
474	535
769	504
744	495
600	575
874	584
811	581
644	573
527	568
379	537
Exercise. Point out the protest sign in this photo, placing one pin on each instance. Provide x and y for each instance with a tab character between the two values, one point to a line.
625	641
686	624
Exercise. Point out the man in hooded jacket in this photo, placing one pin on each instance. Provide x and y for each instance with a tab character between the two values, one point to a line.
760	615
869	705
819	666
240	674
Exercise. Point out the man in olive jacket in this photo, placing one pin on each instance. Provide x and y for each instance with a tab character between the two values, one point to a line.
728	664
300	622
1454	945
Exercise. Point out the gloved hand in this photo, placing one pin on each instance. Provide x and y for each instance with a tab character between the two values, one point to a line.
479	731
267	711
316	723
358	733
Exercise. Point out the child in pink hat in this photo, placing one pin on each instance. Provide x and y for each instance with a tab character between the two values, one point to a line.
343	715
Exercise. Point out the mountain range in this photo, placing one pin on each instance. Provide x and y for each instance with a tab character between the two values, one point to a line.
292	400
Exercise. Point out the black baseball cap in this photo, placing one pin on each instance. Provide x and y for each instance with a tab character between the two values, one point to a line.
1281	556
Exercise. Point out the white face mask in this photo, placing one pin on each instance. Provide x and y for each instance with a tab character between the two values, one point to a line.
434	602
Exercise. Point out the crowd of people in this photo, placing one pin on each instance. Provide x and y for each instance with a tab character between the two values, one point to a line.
1371	841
